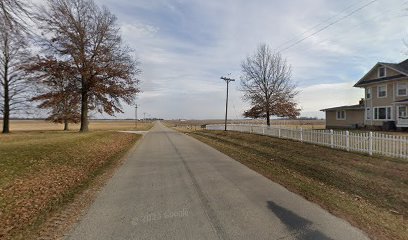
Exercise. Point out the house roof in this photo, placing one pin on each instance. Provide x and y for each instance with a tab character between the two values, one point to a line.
351	107
384	79
397	67
402	101
401	68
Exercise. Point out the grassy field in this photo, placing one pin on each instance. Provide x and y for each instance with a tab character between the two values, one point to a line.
42	170
41	125
370	192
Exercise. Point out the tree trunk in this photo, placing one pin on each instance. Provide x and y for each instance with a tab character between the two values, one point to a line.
268	113
268	118
66	125
84	112
6	107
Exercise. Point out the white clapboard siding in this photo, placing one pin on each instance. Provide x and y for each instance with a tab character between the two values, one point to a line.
365	142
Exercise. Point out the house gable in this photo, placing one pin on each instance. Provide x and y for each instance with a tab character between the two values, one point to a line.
392	72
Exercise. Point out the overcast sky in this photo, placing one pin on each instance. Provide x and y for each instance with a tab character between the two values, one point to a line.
186	45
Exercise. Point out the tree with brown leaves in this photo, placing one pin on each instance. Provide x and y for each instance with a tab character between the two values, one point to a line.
267	85
57	90
280	109
87	38
14	89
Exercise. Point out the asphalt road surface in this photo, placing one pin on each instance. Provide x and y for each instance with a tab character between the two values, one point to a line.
175	187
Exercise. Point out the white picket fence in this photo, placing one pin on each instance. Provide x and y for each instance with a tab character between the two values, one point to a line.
365	142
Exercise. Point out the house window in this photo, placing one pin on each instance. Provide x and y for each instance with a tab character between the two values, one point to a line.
382	72
402	111
402	89
382	91
368	113
368	93
341	115
382	113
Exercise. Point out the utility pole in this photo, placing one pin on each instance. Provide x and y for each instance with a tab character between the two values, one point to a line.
227	80
136	115
144	117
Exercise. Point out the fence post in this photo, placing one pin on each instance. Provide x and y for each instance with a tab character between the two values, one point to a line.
348	141
331	139
263	130
301	134
370	144
279	132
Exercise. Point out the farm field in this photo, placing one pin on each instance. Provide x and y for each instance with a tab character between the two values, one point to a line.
42	125
370	192
189	125
42	169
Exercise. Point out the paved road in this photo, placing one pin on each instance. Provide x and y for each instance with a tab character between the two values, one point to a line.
175	187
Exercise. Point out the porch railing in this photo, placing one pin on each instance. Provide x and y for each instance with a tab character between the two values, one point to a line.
402	121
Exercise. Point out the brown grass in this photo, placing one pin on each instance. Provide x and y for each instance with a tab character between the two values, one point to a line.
94	125
40	172
370	192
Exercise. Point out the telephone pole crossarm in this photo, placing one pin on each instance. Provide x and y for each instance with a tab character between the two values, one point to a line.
227	80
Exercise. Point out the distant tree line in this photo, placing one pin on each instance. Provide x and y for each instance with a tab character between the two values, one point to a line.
153	119
82	64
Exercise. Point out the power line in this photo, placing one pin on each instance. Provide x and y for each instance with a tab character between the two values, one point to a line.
235	109
328	25
319	24
377	17
233	103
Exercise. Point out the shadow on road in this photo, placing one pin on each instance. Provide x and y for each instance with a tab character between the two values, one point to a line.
301	227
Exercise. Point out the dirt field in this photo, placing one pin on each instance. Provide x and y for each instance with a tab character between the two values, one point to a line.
41	125
370	192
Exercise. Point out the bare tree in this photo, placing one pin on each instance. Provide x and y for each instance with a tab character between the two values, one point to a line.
57	91
267	85
12	12
14	88
87	38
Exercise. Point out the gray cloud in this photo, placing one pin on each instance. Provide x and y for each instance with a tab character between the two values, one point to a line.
185	46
